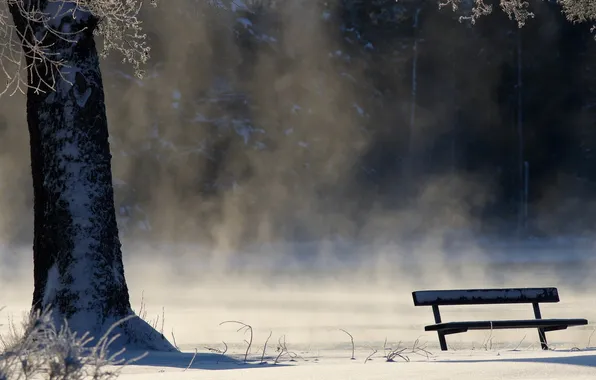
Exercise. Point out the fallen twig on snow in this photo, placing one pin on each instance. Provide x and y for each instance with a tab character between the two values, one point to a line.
218	351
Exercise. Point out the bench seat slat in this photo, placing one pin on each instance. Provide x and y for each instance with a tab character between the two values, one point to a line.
484	296
506	324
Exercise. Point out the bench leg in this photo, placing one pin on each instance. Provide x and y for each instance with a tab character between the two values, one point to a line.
441	334
541	332
442	341
542	336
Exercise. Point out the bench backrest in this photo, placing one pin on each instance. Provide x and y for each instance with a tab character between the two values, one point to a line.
484	296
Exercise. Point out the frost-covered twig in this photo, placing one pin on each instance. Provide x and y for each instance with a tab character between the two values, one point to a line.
402	352
488	343
281	349
44	351
519	344
420	350
217	350
352	340
576	11
517	10
174	340
191	360
142	309
27	49
246	328
265	348
374	351
142	313
398	352
590	337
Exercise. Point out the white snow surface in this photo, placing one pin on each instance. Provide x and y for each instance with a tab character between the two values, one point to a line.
336	365
284	290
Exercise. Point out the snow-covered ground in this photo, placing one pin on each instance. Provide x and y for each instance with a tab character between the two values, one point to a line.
464	365
306	293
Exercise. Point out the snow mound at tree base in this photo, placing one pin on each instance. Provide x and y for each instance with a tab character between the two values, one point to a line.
138	334
116	334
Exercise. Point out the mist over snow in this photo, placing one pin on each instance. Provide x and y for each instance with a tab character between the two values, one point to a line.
304	166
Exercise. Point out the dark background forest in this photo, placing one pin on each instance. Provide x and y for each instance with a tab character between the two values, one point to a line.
349	119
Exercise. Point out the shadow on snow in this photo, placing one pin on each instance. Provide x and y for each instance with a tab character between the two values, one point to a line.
578	360
207	361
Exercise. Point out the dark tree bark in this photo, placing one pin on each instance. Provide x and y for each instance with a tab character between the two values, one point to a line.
77	255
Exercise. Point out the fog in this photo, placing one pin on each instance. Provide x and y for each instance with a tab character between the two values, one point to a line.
285	237
371	302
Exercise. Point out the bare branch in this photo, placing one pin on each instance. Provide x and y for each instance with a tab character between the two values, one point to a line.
576	11
27	51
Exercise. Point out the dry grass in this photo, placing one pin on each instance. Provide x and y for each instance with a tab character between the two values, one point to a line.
40	350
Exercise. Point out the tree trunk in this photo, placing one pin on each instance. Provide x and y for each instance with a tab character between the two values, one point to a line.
77	255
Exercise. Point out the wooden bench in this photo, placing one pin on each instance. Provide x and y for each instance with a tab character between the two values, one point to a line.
535	296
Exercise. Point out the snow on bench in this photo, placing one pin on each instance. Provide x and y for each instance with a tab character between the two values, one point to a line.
484	296
535	296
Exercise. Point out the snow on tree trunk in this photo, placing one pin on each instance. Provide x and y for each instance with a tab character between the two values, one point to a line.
78	269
